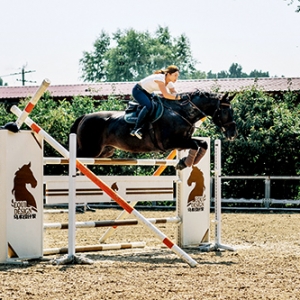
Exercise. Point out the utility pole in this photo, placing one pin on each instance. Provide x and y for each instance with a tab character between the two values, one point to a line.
23	72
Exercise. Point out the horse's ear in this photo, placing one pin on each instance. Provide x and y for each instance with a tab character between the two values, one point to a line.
227	97
224	97
29	164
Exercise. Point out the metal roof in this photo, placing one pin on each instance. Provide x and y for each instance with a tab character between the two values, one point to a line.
124	88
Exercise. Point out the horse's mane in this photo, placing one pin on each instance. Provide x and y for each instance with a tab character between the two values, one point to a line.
191	94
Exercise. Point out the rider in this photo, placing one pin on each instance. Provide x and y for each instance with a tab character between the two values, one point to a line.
160	80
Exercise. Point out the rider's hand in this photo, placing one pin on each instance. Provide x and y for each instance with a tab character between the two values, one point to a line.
184	97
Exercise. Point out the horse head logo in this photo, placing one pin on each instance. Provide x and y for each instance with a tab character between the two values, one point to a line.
197	178
114	187
22	177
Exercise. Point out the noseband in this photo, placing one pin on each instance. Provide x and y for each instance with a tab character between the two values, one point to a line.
217	114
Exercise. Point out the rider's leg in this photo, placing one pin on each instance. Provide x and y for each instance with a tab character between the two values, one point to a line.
139	123
142	97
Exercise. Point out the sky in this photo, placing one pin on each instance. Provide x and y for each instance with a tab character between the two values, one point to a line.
48	38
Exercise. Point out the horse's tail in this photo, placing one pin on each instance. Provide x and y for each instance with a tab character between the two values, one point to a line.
75	125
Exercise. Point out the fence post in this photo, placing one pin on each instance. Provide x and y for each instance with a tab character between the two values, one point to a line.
267	192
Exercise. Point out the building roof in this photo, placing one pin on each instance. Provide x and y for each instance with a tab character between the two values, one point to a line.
105	89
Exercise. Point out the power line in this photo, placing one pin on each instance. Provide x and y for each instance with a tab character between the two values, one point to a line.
23	72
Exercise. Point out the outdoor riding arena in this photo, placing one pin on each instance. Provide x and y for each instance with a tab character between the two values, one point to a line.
243	255
265	265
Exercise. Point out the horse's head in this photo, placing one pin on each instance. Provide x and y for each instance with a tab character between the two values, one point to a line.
223	118
218	108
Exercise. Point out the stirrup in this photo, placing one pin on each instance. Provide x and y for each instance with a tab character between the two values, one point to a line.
138	134
132	132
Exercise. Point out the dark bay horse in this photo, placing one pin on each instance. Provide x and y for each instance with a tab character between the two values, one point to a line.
100	133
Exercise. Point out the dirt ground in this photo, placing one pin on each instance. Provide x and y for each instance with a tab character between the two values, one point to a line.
265	265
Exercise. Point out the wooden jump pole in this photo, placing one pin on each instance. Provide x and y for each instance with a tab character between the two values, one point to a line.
15	126
84	170
116	161
109	232
92	248
110	223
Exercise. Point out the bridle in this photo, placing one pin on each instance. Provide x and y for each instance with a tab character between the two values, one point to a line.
216	115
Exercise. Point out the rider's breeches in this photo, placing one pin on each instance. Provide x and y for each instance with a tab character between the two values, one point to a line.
142	96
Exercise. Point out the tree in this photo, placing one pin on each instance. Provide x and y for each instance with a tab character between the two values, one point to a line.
268	143
291	2
95	62
136	55
256	74
235	71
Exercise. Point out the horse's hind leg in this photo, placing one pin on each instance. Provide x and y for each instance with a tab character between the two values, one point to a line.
107	152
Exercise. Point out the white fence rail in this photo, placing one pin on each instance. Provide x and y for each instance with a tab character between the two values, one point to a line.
267	201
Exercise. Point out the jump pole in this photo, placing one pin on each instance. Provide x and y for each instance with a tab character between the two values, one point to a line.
94	248
72	196
218	192
15	126
109	232
81	167
111	223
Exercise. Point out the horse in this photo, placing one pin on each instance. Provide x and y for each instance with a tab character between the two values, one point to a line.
22	177
169	127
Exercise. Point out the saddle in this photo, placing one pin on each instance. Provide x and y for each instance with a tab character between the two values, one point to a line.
134	108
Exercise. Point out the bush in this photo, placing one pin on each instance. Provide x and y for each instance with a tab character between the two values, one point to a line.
268	144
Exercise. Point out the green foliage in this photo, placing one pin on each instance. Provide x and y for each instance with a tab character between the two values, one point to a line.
268	142
235	71
135	55
290	2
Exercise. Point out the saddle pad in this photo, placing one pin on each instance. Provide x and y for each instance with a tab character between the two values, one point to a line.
157	111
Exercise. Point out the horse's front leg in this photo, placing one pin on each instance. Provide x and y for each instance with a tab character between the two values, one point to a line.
194	156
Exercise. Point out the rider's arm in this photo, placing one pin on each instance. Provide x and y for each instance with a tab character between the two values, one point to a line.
165	92
173	91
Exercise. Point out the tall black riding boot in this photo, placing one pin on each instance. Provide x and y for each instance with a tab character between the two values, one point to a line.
139	123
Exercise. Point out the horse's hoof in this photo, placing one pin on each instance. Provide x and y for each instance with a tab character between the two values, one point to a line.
181	165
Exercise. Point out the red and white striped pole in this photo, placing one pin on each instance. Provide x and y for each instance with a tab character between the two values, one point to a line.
15	126
80	166
31	104
124	213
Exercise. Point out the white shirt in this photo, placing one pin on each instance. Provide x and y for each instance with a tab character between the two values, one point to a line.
151	86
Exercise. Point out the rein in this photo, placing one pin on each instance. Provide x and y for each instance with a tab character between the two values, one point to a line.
215	114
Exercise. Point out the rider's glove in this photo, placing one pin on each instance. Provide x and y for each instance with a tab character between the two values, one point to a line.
184	97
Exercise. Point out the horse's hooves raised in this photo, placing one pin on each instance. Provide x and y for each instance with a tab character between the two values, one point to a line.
181	165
